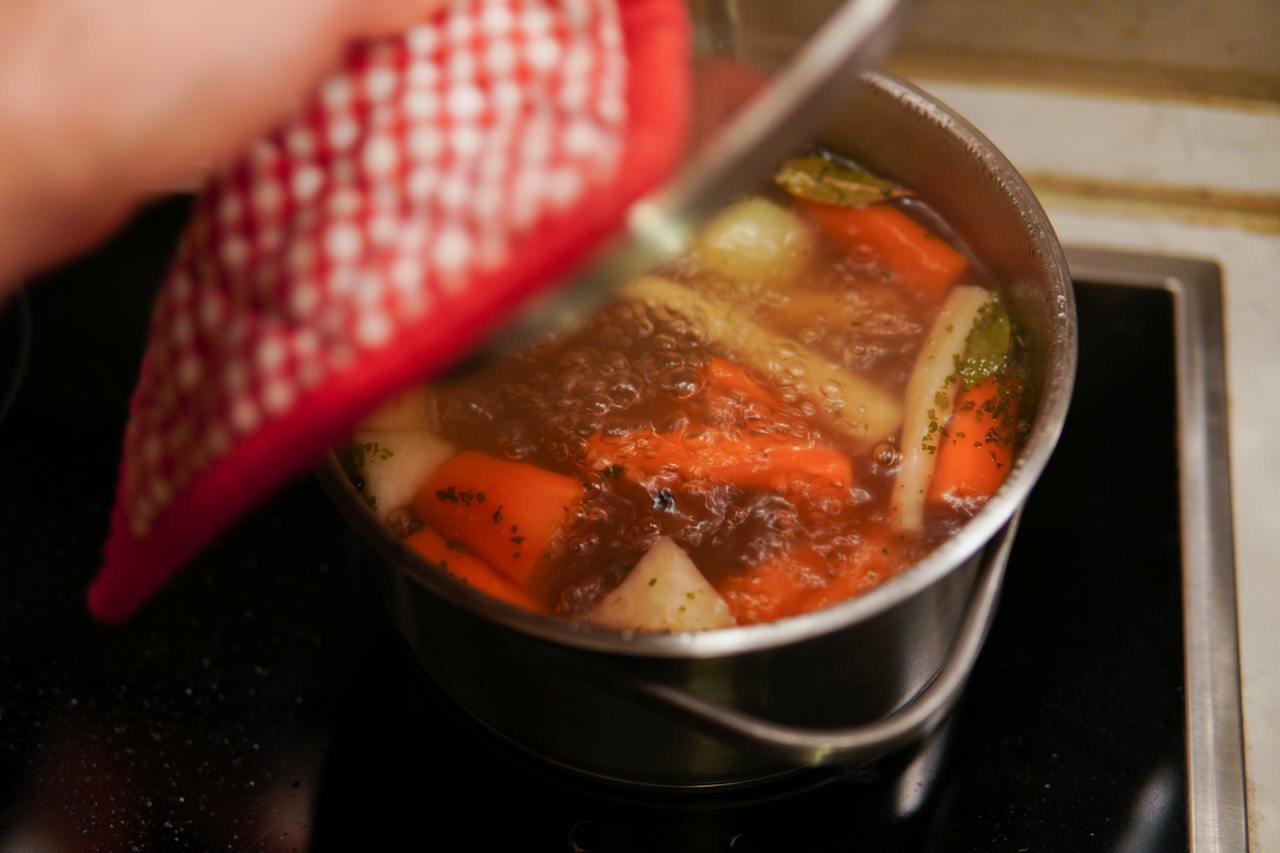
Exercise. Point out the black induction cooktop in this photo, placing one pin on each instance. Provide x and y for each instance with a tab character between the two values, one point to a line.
264	702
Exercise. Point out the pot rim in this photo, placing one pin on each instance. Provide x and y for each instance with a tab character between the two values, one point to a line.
1060	369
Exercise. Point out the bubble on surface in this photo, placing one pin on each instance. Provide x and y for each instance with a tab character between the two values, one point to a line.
682	383
884	455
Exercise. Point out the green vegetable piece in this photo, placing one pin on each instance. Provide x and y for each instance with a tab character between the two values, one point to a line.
988	346
822	179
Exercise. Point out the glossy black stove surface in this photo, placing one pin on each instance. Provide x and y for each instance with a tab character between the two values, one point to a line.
263	702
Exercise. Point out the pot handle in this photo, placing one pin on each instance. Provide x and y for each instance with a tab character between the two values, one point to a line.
918	717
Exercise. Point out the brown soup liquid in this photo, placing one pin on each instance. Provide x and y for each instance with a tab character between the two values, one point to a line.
640	370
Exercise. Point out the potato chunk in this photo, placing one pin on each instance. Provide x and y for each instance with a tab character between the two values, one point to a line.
395	463
664	592
756	241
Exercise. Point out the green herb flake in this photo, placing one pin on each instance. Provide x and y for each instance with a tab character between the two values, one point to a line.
362	452
653	581
988	347
612	472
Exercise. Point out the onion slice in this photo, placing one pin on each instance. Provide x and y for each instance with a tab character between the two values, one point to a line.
866	413
930	399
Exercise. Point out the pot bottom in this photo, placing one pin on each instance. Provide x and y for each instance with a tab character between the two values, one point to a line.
589	715
747	789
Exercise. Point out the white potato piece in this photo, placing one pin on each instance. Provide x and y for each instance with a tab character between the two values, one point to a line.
664	592
414	408
867	413
396	462
756	240
932	389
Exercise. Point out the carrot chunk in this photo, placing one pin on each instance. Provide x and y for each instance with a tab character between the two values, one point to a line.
877	556
775	589
453	558
972	458
725	377
799	579
749	461
923	261
506	512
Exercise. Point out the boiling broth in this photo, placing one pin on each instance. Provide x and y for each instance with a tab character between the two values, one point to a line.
733	403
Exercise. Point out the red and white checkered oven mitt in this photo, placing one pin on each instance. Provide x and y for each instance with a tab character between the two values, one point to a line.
432	184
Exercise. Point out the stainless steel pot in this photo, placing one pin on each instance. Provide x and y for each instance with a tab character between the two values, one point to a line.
846	684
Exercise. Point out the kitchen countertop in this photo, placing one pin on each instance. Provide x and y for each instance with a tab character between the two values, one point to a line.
1200	181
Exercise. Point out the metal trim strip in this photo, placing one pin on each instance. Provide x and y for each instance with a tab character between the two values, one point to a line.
1216	803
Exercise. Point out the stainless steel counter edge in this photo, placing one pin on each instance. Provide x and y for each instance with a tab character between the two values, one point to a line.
1216	808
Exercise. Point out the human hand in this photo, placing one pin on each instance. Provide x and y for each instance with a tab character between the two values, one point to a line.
103	102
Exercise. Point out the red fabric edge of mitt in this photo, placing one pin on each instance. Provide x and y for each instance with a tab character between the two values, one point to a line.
656	39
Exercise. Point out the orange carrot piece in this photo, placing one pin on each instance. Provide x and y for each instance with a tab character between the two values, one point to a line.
452	558
779	467
878	556
775	589
725	377
969	465
798	580
506	512
749	461
922	260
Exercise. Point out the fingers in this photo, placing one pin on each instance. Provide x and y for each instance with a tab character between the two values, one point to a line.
384	17
107	101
